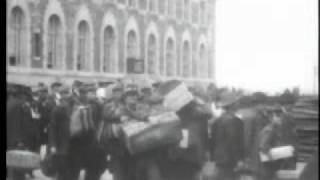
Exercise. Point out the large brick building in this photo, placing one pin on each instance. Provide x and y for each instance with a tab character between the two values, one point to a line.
50	40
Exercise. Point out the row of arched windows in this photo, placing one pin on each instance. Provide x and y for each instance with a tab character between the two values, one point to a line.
180	9
170	65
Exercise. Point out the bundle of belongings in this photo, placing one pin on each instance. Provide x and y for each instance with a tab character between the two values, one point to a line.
163	125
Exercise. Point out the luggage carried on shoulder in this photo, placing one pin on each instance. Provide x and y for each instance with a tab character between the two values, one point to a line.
143	136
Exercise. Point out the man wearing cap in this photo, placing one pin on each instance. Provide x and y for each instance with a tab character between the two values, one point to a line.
108	134
22	131
186	161
95	161
227	139
278	132
74	146
59	139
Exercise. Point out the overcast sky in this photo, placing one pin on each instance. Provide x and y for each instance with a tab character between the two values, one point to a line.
266	45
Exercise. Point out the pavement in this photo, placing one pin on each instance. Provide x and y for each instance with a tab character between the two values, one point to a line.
282	175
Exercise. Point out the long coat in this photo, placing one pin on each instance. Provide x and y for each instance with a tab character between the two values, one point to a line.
195	118
186	163
59	127
253	122
20	126
227	140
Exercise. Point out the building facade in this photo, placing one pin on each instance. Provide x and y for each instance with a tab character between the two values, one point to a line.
50	40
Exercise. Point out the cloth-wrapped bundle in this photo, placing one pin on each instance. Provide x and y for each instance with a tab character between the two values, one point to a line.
144	136
276	153
23	159
175	95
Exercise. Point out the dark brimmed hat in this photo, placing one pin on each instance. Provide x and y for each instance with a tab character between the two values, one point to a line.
64	89
104	83
76	84
131	89
227	98
56	84
87	87
117	87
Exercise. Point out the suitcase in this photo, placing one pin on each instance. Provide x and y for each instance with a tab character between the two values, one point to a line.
22	159
153	136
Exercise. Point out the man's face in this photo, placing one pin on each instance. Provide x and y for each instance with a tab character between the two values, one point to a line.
55	89
117	94
91	95
146	94
276	118
64	95
36	96
216	110
131	99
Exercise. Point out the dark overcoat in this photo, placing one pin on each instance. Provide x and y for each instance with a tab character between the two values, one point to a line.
227	140
21	128
59	127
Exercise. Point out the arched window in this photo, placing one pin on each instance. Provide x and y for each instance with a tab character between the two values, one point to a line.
151	54
195	64
179	9
203	61
121	1
210	65
195	12
186	59
202	12
83	54
17	40
170	57
132	3
153	6
132	45
170	7
109	50
143	4
161	5
186	10
54	56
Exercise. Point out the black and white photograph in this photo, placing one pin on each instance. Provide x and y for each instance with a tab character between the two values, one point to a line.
162	90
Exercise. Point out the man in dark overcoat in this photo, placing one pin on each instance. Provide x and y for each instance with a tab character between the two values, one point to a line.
96	160
22	130
227	139
78	151
59	139
109	138
186	163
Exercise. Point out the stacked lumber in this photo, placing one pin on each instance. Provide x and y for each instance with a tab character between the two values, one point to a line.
305	113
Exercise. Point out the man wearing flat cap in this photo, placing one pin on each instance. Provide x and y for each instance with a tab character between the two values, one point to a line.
120	162
227	138
59	139
22	131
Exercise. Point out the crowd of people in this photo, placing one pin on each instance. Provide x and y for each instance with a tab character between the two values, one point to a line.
217	133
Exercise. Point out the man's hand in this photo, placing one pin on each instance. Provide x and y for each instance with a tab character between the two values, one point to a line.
240	165
20	145
53	150
124	119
